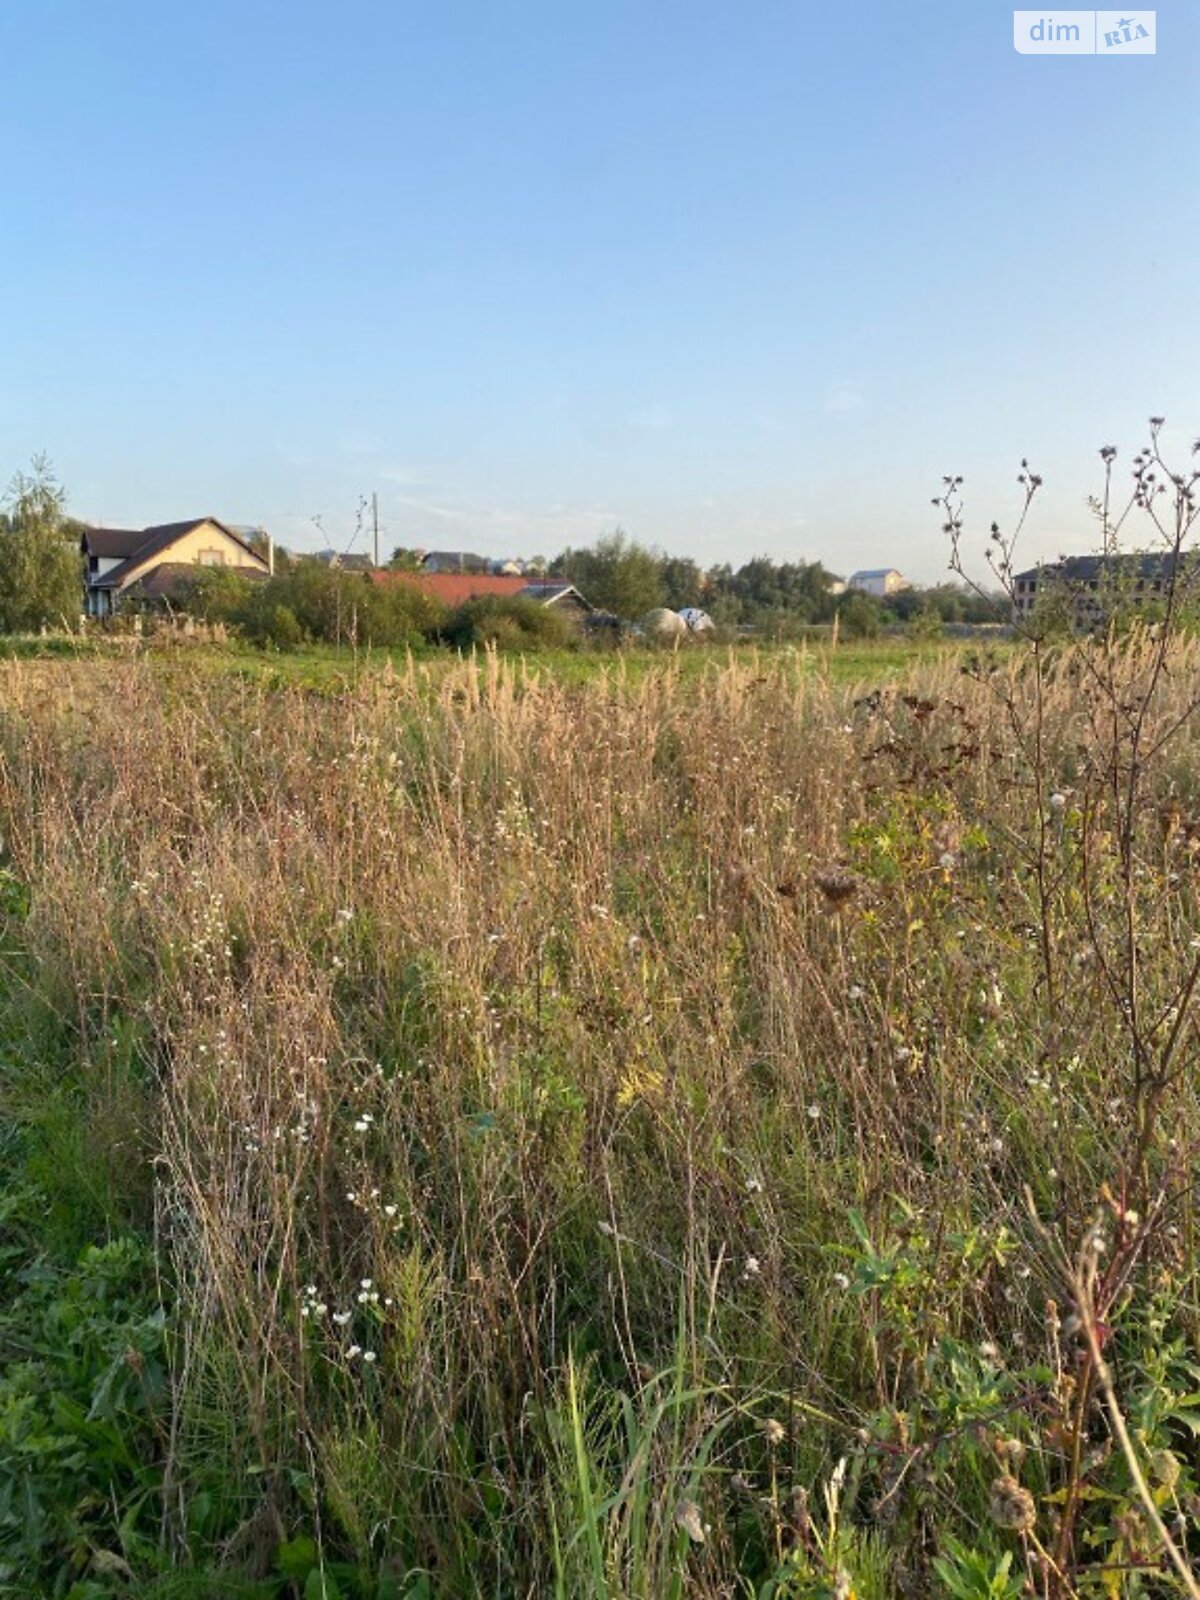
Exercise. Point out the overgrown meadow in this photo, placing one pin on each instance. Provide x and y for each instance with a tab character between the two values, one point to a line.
657	1136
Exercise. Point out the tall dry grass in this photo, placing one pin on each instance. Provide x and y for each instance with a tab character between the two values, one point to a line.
587	1131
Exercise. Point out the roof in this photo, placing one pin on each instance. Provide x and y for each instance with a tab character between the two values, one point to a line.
875	572
112	543
453	588
551	590
1086	569
151	542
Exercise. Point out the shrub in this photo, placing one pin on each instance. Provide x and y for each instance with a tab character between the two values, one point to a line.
859	616
496	621
315	603
278	625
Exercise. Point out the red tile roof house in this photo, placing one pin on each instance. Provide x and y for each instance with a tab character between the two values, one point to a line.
454	588
156	562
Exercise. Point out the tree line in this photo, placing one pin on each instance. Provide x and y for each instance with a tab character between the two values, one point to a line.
774	597
41	586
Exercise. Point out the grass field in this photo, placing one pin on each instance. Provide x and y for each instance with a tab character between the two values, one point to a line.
326	667
687	1126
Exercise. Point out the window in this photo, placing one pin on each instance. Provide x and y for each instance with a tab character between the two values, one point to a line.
211	558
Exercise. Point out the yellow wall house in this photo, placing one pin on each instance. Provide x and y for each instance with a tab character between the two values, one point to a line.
154	562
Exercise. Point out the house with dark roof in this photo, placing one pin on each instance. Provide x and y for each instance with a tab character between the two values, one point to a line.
1093	585
158	561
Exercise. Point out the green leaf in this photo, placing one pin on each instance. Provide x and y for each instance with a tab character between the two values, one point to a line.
321	1586
296	1558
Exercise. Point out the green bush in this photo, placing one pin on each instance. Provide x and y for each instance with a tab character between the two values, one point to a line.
397	614
313	603
497	622
859	616
278	625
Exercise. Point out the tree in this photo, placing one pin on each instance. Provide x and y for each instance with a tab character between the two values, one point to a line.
765	593
859	615
41	573
682	581
617	574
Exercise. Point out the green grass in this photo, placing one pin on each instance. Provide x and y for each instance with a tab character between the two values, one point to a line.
331	668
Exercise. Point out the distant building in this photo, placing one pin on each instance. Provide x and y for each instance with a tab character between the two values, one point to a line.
879	581
1092	585
343	560
454	561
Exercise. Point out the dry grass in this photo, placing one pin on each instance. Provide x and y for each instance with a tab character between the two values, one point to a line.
688	1043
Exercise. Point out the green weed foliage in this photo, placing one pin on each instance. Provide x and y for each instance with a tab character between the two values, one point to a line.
635	1134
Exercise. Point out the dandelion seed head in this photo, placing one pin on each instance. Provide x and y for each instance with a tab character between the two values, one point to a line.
1010	1506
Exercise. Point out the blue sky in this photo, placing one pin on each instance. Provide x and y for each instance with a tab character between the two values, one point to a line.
741	279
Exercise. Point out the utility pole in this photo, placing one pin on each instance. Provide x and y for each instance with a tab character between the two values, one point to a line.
375	524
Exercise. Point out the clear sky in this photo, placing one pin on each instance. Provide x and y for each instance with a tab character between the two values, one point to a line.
742	278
